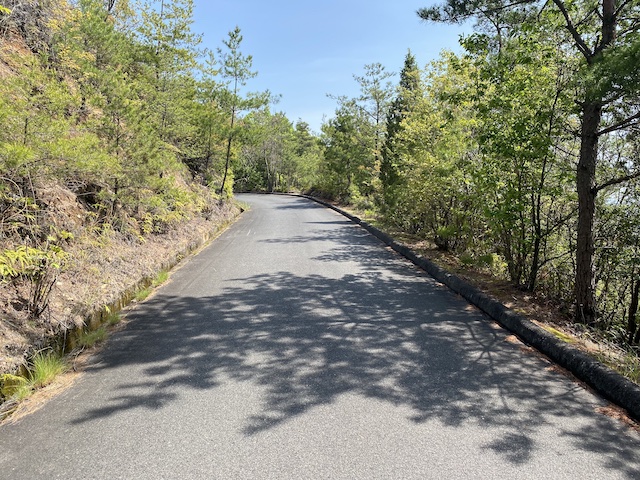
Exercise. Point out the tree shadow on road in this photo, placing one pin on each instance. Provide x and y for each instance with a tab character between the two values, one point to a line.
389	334
308	340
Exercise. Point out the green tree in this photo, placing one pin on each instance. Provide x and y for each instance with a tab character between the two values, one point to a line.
523	106
364	118
347	161
210	120
267	150
235	70
308	156
169	50
374	101
408	94
437	198
605	37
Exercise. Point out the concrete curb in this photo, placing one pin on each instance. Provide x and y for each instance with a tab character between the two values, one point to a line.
604	380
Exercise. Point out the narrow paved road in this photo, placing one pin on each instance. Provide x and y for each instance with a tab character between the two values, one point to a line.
298	347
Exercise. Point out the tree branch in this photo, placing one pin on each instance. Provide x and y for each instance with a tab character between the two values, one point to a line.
621	7
627	122
509	5
434	13
580	43
615	181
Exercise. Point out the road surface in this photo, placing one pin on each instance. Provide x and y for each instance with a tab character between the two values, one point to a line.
297	346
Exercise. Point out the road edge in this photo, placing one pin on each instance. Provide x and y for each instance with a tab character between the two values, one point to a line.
610	384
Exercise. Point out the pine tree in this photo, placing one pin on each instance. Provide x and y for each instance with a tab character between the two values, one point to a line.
392	162
235	70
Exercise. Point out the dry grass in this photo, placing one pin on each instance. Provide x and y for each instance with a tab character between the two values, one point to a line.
103	265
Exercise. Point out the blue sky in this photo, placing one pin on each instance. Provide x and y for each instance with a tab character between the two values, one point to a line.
305	50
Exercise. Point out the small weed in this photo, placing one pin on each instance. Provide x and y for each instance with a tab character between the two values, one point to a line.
631	367
113	319
143	294
160	278
485	261
627	364
89	339
22	392
243	205
466	259
45	367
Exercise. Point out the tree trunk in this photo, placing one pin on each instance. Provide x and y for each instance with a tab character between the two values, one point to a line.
226	165
632	327
585	182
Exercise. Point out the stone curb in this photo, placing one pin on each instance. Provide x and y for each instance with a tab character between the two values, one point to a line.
604	380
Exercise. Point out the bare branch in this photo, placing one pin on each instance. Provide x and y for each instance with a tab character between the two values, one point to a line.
557	257
616	181
627	122
505	7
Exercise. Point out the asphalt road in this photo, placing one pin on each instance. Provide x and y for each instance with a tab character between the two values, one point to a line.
297	346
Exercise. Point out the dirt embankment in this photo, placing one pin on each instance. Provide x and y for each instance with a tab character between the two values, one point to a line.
102	265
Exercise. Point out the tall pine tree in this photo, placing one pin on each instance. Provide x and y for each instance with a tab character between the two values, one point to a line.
392	163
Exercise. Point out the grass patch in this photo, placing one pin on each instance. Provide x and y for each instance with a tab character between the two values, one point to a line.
45	367
160	278
89	339
630	367
242	205
143	294
113	319
627	364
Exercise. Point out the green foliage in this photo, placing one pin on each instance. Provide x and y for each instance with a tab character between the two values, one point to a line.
393	163
521	123
36	267
354	139
583	56
113	318
89	339
160	278
481	150
347	156
27	262
235	70
275	156
14	386
117	129
45	367
143	294
436	140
